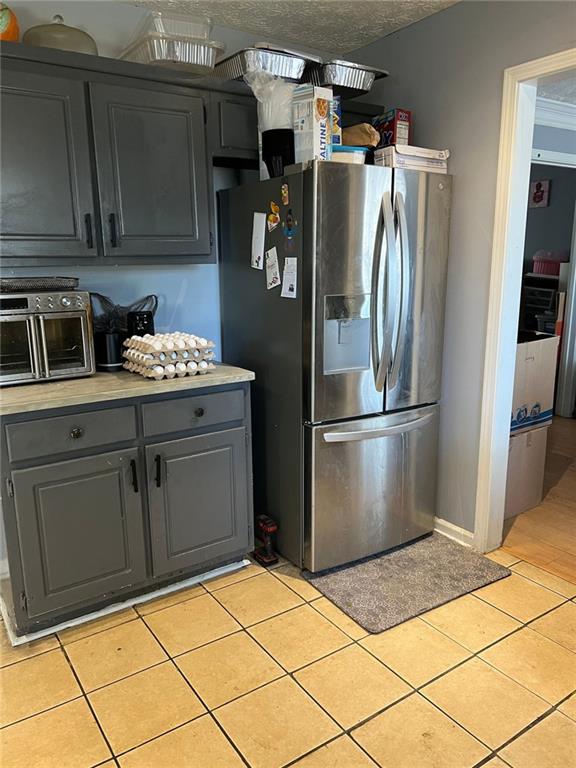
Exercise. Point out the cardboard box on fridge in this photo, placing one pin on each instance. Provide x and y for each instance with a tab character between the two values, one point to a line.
534	379
413	158
525	477
394	127
312	122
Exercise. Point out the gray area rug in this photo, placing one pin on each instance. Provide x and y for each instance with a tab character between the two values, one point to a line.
382	591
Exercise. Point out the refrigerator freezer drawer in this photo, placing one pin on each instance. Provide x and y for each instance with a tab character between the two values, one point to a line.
371	485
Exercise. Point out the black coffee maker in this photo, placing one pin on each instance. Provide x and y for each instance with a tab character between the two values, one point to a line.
113	323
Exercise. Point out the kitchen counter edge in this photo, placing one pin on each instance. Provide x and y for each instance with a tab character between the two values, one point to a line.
102	387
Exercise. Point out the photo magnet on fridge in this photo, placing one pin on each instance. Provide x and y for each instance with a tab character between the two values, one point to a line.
285	193
272	269
290	278
258	235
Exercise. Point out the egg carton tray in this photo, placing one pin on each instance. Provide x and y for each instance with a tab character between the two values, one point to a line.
148	360
171	371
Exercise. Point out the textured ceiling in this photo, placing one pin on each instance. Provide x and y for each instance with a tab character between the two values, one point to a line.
330	25
559	87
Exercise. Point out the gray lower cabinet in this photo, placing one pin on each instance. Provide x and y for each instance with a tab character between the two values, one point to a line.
81	529
198	495
46	190
114	499
151	168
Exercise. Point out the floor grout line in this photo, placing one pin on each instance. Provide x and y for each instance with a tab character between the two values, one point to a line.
88	702
197	694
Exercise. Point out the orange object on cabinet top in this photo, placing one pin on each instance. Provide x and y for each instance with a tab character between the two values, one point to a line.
9	29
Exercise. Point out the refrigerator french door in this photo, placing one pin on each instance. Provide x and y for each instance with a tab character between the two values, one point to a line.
379	272
348	374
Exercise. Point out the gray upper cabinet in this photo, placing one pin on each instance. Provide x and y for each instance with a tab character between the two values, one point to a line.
199	502
233	127
81	530
151	167
46	200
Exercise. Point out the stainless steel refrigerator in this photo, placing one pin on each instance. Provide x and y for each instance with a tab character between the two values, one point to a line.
348	372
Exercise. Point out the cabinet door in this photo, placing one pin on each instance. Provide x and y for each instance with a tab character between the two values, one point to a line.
80	526
233	127
151	166
198	494
46	193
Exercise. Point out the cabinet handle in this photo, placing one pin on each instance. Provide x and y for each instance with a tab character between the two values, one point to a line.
158	461
134	475
113	230
76	433
89	233
199	412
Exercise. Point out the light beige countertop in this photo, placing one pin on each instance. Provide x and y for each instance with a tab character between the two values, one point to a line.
101	387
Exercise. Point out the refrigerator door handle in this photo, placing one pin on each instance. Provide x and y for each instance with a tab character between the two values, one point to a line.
371	434
390	296
402	315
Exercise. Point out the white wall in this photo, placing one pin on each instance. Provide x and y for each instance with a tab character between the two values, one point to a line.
448	69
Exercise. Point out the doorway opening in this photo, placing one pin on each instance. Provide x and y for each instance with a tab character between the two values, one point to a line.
540	507
519	106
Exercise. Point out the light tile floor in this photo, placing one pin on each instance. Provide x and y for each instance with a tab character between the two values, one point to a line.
257	669
546	535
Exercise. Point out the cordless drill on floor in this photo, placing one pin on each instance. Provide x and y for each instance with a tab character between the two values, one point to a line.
265	529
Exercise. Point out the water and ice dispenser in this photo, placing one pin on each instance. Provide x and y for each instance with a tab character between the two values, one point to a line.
346	333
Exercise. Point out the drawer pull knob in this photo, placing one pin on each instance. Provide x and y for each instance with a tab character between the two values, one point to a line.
199	412
76	433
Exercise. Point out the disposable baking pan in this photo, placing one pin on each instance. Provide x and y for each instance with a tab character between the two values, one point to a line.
185	53
346	78
287	65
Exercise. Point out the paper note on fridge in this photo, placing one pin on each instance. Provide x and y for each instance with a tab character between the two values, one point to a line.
272	269
258	235
289	277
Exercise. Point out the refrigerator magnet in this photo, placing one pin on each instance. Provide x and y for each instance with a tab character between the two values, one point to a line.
289	277
273	218
289	225
272	269
285	194
258	235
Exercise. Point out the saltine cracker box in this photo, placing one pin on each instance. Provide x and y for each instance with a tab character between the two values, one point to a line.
534	379
312	123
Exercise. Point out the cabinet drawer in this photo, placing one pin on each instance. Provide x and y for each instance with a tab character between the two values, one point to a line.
192	412
45	437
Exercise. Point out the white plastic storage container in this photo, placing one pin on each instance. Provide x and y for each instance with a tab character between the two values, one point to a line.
353	155
174	25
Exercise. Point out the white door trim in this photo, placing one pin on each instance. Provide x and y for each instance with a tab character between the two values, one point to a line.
514	158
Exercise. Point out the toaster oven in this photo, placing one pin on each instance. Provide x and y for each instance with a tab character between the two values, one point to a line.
45	336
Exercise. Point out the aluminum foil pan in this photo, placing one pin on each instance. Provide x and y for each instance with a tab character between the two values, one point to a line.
33	284
185	53
288	66
347	78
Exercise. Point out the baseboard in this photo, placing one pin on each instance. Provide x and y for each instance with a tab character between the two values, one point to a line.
454	532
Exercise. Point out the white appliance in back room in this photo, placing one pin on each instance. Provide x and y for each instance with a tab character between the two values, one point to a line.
348	370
